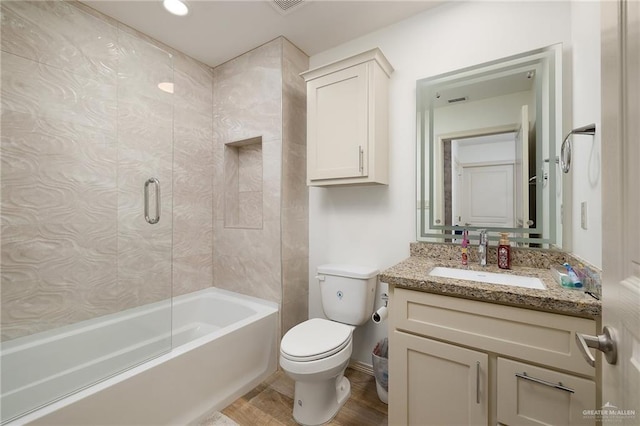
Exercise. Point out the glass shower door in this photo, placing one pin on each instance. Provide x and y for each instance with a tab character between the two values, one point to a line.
144	218
85	261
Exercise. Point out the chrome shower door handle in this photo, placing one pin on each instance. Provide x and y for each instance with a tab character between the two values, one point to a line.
605	342
156	218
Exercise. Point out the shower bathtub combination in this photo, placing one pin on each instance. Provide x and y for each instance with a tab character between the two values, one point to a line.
223	344
113	188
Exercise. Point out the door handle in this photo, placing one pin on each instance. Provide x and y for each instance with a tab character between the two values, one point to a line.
605	342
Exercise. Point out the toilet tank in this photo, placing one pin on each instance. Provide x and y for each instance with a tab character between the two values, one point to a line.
348	292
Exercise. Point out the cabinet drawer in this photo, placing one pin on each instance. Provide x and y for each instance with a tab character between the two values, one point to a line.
529	395
539	337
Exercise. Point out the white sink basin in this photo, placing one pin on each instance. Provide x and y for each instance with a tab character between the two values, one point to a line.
487	277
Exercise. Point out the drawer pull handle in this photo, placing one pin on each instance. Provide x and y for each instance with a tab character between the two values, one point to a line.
477	382
558	385
360	159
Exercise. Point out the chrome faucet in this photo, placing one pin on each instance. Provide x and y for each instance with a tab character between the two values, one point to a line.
483	247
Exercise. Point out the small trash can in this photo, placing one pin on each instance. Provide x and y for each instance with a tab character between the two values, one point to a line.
380	361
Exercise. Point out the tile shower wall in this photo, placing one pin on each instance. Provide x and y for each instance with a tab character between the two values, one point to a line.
82	117
193	167
82	114
260	95
295	195
246	105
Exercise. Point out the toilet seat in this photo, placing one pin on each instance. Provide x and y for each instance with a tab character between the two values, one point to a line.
315	339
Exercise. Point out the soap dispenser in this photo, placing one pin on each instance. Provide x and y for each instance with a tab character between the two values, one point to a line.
504	251
465	244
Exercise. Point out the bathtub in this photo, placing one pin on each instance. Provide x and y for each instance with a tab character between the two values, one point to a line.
223	345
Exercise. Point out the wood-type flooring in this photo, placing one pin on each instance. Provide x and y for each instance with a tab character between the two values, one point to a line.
271	403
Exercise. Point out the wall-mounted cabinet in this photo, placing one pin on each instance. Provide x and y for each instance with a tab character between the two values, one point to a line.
347	121
464	362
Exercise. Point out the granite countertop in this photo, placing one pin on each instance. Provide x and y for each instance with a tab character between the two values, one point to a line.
413	274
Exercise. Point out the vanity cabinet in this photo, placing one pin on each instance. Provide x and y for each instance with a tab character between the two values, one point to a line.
460	361
347	121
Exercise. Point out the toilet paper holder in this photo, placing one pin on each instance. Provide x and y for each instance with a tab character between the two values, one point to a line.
382	313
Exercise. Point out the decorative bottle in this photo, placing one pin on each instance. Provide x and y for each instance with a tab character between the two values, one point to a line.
504	251
465	244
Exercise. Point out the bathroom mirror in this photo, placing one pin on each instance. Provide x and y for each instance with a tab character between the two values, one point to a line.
487	154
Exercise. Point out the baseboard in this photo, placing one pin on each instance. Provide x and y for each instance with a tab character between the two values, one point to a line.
362	367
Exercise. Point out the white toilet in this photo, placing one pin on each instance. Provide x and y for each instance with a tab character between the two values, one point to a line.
316	352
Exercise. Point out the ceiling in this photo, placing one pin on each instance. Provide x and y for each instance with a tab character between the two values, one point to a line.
488	86
216	31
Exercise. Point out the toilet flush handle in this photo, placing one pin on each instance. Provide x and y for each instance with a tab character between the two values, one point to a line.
320	277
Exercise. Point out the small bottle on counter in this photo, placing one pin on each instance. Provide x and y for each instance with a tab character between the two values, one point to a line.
504	251
465	244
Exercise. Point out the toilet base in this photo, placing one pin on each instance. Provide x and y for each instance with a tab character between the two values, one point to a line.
316	403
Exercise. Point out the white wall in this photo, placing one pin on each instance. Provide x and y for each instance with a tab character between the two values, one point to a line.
374	225
586	162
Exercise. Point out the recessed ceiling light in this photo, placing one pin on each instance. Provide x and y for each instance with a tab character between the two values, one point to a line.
177	7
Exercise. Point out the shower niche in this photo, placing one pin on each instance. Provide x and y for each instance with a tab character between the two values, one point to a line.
243	184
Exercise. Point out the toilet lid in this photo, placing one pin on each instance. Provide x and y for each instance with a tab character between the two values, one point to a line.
315	339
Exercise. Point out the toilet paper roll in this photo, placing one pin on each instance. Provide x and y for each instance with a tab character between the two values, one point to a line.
380	315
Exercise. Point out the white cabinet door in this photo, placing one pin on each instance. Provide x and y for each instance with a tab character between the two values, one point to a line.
529	395
337	106
347	121
436	383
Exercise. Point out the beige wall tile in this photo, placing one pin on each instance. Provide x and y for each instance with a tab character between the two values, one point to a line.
142	66
42	90
84	125
58	34
250	168
83	159
48	272
193	169
294	212
192	273
193	84
250	209
247	95
250	261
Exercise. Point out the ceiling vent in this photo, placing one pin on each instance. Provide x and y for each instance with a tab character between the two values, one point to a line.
455	100
285	7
